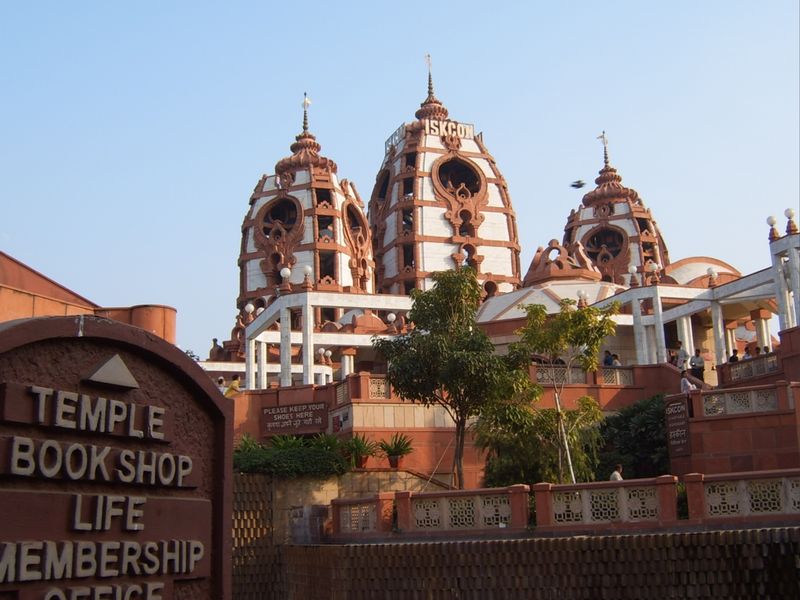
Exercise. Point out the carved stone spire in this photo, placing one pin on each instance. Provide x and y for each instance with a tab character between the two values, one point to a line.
431	107
305	149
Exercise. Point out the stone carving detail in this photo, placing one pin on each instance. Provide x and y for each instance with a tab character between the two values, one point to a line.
462	512
358	517
427	513
765	495
604	505
567	507
495	510
642	503
557	260
378	388
722	499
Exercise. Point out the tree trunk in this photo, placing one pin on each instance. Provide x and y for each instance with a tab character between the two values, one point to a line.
458	455
562	430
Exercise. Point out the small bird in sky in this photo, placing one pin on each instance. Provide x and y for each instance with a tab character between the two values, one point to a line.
578	184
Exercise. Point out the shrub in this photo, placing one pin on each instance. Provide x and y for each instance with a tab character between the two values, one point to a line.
398	445
291	460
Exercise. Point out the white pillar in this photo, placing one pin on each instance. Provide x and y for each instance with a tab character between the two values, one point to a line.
639	333
785	317
262	365
249	364
762	332
347	366
658	323
286	347
718	328
793	265
685	333
307	350
650	340
730	341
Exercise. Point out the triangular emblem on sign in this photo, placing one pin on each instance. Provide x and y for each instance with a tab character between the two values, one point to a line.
114	372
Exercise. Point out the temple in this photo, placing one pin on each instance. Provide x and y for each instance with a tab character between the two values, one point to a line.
319	279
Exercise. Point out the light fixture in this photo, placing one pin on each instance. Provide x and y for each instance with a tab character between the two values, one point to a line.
249	308
390	318
328	353
286	272
712	272
771	220
307	270
789	213
259	310
632	269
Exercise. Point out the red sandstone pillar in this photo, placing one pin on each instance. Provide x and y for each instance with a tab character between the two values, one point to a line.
695	496
336	525
518	501
402	501
782	391
696	401
544	504
667	494
385	505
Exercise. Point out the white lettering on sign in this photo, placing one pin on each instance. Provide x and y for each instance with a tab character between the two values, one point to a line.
70	410
448	128
103	509
53	460
47	560
395	138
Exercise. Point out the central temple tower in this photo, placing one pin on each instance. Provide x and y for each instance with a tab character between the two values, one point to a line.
440	202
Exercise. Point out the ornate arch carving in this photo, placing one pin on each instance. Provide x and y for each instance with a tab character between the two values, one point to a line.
463	186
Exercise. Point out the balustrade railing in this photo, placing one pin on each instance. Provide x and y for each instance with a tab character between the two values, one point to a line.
754	367
549	375
650	504
606	504
764	494
736	402
379	388
615	376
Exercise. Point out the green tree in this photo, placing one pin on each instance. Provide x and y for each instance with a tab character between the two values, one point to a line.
636	438
523	442
571	337
447	360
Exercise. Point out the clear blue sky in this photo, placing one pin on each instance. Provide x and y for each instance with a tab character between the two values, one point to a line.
132	134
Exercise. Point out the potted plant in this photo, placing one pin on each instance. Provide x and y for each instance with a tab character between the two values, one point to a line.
398	445
359	448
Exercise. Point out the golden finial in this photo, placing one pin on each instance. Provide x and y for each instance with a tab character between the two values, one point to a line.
306	104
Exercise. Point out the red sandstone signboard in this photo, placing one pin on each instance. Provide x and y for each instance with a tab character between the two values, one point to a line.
114	466
294	418
677	418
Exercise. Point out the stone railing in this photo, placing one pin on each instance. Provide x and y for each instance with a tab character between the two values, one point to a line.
719	403
615	376
379	388
363	517
432	514
463	511
754	367
546	375
606	505
342	393
750	497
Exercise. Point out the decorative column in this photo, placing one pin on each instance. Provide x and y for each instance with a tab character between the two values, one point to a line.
639	333
685	333
658	323
286	347
262	364
718	329
249	364
730	337
348	362
308	342
761	319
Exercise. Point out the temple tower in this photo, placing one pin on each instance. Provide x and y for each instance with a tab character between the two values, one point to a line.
440	202
307	220
616	230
